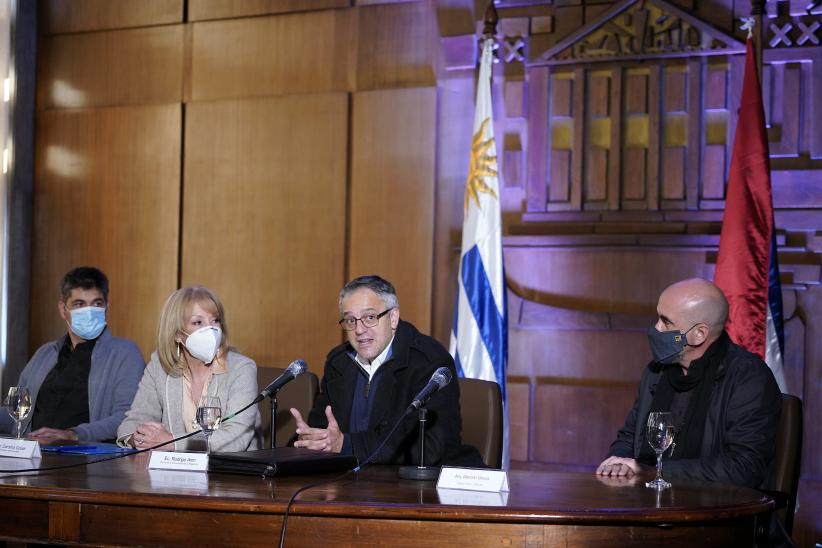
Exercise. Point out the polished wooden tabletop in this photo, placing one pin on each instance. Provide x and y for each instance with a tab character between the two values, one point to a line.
377	491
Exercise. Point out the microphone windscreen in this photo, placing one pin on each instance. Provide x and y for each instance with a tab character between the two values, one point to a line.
297	367
442	376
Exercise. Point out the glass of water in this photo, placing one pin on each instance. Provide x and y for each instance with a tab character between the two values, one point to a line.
18	404
660	437
209	414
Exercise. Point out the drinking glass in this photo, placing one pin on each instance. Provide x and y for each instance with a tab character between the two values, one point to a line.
18	404
660	437
209	414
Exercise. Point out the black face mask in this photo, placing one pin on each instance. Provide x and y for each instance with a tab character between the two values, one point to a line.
666	346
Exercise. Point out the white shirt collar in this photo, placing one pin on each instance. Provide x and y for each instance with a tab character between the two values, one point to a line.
371	368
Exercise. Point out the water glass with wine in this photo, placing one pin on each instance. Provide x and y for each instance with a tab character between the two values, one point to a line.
18	405
209	414
660	436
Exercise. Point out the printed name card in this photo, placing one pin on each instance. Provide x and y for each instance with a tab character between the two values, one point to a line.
190	483
168	460
473	479
461	497
24	449
13	464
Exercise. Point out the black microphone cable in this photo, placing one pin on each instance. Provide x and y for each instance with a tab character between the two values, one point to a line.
122	455
339	477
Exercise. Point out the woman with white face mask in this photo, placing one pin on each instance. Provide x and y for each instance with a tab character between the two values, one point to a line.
193	359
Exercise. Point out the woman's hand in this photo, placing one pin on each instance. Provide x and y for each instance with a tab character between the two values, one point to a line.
150	434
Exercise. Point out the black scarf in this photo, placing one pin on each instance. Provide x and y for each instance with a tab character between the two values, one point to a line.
700	379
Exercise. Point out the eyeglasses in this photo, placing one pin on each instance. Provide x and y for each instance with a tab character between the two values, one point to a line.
74	305
369	320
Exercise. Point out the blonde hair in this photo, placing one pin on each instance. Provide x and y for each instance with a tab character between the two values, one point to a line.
173	320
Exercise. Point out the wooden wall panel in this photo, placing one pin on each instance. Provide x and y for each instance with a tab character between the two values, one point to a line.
58	16
599	94
636	93
596	169
575	352
264	220
654	137
578	137
673	183
695	112
576	423
560	175
616	279
716	87
392	192
561	94
615	140
675	90
519	416
455	117
123	67
286	54
814	101
107	194
537	151
633	175
560	139
810	302
199	10
397	46
789	101
713	172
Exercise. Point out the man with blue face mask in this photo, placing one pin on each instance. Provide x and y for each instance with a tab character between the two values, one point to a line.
724	400
82	384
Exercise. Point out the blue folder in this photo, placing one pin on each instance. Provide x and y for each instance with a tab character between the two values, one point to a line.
92	449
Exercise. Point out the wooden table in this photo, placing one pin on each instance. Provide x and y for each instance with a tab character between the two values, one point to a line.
123	503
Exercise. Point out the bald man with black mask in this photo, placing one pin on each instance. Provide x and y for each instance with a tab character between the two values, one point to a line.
724	400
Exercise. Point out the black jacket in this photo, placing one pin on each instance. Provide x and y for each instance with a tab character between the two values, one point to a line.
740	428
414	359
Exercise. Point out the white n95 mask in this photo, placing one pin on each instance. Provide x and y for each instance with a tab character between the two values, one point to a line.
203	343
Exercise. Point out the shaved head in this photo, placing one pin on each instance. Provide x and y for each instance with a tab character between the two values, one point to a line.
697	301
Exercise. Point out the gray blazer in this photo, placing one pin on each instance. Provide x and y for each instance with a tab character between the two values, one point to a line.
160	398
116	367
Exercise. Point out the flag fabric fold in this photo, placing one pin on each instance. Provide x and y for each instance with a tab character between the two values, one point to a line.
479	336
747	268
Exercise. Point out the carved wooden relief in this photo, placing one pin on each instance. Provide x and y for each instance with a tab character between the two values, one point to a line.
658	91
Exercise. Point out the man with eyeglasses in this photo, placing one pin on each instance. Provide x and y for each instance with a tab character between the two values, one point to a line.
370	380
82	384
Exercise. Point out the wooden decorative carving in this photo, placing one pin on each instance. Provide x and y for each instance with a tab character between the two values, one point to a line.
642	28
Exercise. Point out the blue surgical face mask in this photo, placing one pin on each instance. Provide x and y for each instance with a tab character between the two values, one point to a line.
88	322
667	346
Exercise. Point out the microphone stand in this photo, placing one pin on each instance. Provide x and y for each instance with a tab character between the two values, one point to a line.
421	472
274	419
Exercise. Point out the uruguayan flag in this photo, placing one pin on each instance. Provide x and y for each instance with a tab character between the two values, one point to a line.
479	336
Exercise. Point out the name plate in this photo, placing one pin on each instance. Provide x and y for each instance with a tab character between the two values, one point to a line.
23	449
169	460
10	463
174	479
473	479
461	497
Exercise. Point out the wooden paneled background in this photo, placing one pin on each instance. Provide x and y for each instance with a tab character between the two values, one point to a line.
273	149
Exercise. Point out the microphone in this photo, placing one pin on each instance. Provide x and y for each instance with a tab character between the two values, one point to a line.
294	370
439	379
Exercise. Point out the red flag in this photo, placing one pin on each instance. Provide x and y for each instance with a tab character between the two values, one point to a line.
747	226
